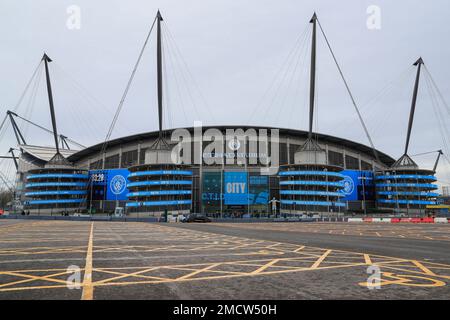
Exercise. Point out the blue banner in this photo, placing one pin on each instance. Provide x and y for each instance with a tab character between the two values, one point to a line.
353	185
236	188
259	190
116	184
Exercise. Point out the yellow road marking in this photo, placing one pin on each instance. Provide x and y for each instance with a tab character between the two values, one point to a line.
264	267
310	254
126	275
405	280
88	289
297	269
189	275
319	261
423	268
31	278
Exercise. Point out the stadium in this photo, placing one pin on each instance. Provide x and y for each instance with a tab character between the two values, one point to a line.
222	171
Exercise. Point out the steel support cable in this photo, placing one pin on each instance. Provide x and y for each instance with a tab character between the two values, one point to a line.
424	153
177	84
302	97
27	86
350	94
6	181
178	56
121	102
32	101
279	71
82	92
384	92
21	97
171	60
290	83
194	82
127	88
297	98
437	89
284	74
48	130
167	102
16	106
438	114
3	122
447	172
75	117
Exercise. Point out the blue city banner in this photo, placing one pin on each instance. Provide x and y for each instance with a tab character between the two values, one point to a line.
109	184
116	184
353	185
236	188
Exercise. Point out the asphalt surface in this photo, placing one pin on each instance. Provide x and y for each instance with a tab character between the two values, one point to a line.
407	242
116	260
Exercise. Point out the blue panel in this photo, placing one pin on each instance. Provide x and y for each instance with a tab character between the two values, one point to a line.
160	172
310	173
311	193
259	190
313	203
158	193
46	193
157	203
236	188
409	193
56	184
411	185
157	183
55	201
406	201
116	183
353	185
405	176
311	183
58	175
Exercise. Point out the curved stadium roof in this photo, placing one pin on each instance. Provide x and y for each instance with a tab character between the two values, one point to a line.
92	150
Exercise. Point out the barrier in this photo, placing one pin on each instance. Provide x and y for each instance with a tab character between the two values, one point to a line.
367	219
385	220
354	220
395	220
427	220
405	220
440	220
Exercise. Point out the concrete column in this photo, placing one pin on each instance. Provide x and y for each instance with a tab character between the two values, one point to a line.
139	154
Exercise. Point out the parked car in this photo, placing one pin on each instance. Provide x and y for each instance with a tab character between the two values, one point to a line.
197	218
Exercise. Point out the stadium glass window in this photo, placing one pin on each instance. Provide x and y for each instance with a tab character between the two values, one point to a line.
283	154
293	148
142	156
351	163
96	165
112	162
335	158
129	158
366	166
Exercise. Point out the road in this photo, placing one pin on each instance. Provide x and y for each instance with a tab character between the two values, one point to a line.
117	260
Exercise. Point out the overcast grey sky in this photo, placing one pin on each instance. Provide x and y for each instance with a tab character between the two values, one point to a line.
233	50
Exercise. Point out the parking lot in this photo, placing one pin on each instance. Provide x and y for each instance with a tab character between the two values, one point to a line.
118	260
